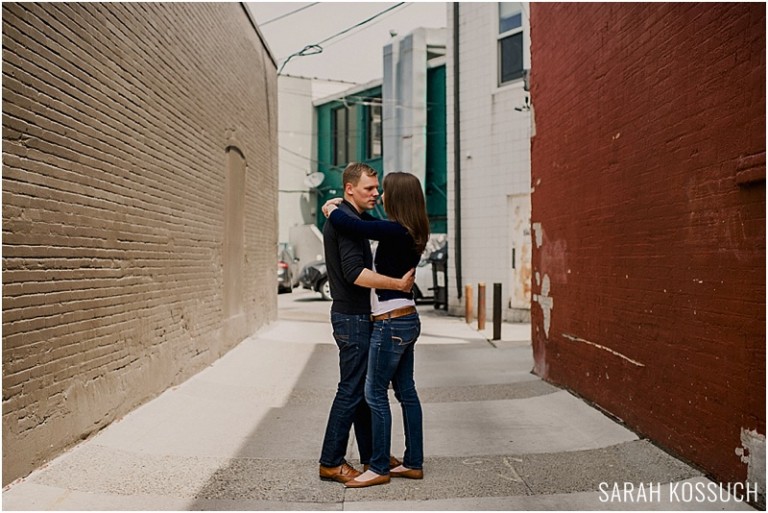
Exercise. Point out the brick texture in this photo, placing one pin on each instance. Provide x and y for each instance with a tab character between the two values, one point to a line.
117	119
649	249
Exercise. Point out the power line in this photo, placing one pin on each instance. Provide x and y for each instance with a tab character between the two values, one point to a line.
326	164
316	48
359	132
287	14
360	24
294	166
381	19
365	100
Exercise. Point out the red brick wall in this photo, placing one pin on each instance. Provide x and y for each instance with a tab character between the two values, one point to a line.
116	124
648	169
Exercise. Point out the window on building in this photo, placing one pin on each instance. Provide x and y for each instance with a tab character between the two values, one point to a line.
374	131
340	136
510	45
344	135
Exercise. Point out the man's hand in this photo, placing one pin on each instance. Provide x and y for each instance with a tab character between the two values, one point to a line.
330	206
405	284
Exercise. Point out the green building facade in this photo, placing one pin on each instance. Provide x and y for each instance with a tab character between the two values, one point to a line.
349	129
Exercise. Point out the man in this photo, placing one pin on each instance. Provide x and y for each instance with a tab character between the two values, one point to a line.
348	262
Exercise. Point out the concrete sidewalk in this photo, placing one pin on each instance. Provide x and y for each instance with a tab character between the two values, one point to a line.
245	434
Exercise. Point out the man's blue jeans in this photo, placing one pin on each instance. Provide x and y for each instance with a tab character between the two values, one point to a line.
391	359
352	334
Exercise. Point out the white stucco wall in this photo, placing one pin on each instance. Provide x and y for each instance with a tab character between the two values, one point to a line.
297	151
404	93
495	165
295	127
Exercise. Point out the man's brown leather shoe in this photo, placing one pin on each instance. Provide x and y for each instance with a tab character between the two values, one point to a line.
354	483
410	473
341	474
393	462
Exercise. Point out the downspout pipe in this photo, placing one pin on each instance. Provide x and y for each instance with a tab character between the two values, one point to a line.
457	149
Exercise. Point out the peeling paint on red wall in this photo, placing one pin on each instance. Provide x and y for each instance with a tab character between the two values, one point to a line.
648	218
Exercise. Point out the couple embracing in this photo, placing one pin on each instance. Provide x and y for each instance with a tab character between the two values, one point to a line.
375	324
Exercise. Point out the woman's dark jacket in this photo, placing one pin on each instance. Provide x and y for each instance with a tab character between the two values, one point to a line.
396	253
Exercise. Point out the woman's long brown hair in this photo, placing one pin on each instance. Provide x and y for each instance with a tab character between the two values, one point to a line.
404	203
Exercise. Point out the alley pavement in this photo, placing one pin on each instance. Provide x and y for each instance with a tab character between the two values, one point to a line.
245	434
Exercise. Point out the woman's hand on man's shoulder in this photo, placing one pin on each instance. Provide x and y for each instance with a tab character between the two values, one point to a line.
330	206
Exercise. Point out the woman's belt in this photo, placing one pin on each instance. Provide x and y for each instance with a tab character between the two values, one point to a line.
397	312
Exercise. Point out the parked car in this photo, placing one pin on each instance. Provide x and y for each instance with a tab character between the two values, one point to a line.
287	268
314	276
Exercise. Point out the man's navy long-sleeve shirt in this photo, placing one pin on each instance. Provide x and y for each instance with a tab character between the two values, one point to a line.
345	259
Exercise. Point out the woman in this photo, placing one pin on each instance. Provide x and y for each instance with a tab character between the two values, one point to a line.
396	324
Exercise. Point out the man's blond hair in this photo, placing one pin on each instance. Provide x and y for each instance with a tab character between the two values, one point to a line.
354	171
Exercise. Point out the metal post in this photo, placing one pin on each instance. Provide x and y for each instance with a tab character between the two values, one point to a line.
456	150
480	306
468	303
496	311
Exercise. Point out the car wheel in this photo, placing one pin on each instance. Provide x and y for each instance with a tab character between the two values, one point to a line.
325	290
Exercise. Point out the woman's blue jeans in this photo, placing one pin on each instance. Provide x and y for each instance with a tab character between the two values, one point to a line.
390	359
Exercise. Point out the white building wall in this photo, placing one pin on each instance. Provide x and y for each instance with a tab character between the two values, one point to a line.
297	150
404	94
495	166
295	140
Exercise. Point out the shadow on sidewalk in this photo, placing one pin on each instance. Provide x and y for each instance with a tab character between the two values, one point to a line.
278	462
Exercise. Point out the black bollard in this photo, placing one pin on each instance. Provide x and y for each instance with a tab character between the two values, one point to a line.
497	311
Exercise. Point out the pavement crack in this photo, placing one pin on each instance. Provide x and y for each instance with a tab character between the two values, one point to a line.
516	476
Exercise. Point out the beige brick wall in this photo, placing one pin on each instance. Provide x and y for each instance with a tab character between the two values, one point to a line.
117	190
